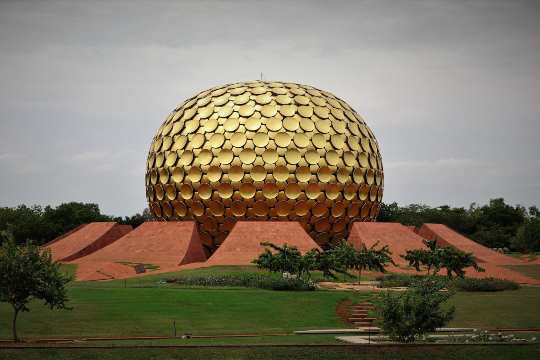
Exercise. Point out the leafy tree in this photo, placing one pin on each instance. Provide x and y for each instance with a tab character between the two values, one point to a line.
137	219
283	259
409	314
436	258
493	225
527	238
456	261
27	273
372	258
424	259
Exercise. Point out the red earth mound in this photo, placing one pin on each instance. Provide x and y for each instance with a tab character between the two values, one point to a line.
165	245
242	245
448	237
399	238
85	239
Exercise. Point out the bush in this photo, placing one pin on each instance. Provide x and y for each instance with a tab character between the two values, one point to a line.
245	279
465	284
407	315
485	284
396	280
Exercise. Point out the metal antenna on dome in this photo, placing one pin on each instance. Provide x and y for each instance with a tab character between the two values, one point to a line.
261	76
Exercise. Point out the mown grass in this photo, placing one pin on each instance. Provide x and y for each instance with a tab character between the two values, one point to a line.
505	309
147	306
152	311
532	270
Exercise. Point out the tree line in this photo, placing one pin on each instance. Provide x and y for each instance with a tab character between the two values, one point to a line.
43	224
496	224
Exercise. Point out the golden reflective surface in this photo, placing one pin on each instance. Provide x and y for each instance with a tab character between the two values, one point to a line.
265	151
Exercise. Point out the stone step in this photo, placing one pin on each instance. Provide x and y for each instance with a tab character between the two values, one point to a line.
363	324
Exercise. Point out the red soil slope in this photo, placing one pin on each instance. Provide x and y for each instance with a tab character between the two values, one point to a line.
399	238
86	239
448	237
242	245
163	244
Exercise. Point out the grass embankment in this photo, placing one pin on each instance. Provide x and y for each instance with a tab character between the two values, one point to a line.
117	311
514	352
146	306
532	270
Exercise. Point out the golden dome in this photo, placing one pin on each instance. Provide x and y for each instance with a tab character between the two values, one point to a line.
263	150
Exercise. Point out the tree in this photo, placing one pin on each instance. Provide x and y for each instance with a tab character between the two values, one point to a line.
372	258
426	259
288	259
434	257
456	261
28	273
407	315
284	259
527	238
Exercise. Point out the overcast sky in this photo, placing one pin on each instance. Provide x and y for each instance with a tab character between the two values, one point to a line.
451	89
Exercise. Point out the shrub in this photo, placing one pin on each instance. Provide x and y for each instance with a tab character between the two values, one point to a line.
459	284
245	279
407	315
485	284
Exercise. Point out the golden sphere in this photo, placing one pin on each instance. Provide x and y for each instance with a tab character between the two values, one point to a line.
263	150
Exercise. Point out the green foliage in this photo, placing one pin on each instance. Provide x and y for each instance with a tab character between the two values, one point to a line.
44	224
373	258
424	259
494	225
285	259
527	238
455	261
288	259
407	315
484	285
458	284
27	273
434	257
244	279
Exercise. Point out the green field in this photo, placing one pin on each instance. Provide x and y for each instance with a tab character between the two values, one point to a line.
147	306
532	271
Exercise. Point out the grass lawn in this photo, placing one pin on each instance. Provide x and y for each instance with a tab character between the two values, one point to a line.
505	309
514	352
532	271
146	306
128	311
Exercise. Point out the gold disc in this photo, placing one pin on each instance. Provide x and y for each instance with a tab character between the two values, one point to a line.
281	173
236	173
214	173
247	156
247	190
260	139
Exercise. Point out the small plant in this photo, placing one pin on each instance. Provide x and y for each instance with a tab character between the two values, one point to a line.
410	314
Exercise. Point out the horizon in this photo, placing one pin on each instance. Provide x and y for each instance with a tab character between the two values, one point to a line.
86	86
